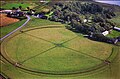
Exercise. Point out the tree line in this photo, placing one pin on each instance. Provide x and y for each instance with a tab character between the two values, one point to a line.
84	17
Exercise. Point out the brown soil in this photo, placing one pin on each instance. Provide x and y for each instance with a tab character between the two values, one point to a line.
4	20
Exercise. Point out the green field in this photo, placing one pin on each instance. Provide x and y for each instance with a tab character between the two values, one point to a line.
25	42
92	48
116	20
56	35
10	5
114	33
37	22
54	50
32	23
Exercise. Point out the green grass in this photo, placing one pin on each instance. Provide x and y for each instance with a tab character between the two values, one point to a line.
56	35
114	33
61	57
16	5
31	50
114	53
25	46
116	20
41	6
92	48
37	22
5	30
61	60
16	73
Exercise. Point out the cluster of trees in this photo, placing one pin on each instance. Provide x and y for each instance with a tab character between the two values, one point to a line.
85	17
100	37
74	14
20	7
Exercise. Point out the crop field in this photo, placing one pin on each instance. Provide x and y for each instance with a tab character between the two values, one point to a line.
4	20
55	50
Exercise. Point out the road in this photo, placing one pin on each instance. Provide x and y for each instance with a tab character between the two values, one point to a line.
28	19
117	28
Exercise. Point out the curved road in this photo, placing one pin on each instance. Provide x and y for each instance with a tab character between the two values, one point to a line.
28	19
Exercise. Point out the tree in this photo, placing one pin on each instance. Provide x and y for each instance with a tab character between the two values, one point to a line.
28	8
98	18
13	8
20	7
74	13
108	16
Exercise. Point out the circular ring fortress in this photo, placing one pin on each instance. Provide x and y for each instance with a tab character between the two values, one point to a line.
56	51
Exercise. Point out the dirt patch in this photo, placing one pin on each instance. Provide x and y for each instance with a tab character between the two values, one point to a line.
4	20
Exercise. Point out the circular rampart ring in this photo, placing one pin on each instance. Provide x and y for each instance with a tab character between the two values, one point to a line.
103	64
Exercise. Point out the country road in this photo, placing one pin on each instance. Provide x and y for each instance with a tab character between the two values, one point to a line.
28	19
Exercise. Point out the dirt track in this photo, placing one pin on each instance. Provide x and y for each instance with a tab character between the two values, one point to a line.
4	20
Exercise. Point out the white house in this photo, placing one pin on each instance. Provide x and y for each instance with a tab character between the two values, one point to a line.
105	33
85	20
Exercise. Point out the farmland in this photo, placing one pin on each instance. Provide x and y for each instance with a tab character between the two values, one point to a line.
6	20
